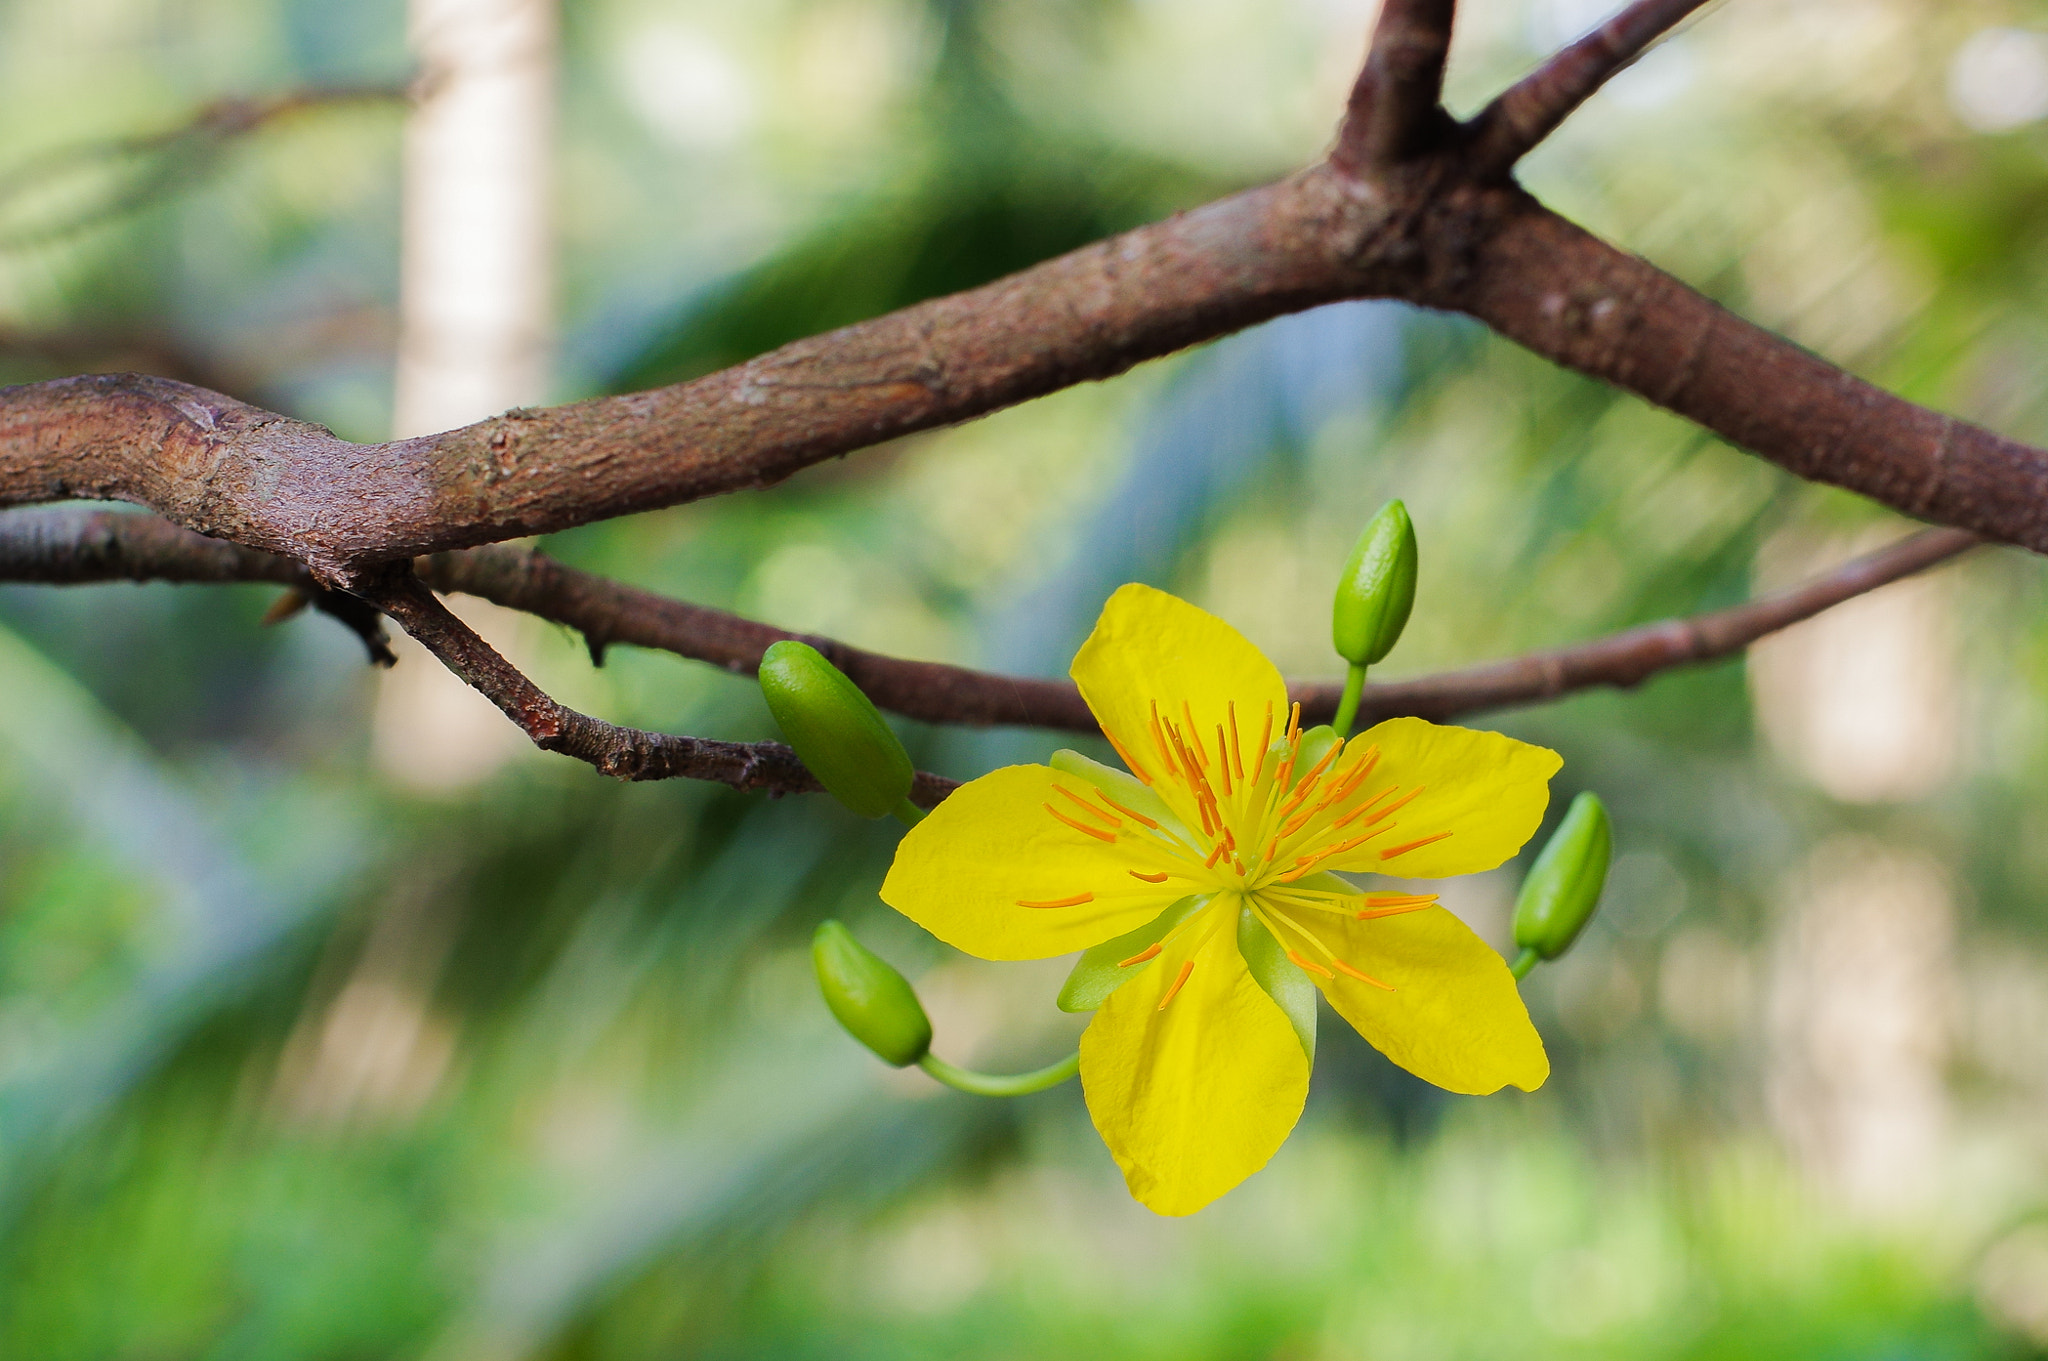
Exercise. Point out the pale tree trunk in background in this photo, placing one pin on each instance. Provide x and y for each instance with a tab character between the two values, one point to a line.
477	274
476	286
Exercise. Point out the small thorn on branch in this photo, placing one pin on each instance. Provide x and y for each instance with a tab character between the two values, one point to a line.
1524	115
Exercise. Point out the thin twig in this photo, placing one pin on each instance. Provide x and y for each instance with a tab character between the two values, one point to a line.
1396	102
1521	117
76	546
624	753
1627	659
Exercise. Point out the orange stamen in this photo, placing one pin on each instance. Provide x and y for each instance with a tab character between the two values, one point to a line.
1149	952
1158	878
1128	760
1375	913
1075	901
1131	813
1294	724
1298	821
1308	964
1341	787
1396	806
1403	850
1400	899
1362	977
1359	811
1283	776
1088	807
1214	856
1083	827
1159	741
1193	741
1306	863
1223	758
1236	747
1186	968
1308	781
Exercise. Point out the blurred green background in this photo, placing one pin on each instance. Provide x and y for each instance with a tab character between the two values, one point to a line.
335	1023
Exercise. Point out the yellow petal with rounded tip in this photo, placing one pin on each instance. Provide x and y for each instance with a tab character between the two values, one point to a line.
1454	1017
1194	1098
1486	791
963	871
1150	647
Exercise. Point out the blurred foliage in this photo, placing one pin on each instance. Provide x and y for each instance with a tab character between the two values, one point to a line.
334	1024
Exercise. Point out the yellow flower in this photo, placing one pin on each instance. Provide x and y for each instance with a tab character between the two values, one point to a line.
1210	869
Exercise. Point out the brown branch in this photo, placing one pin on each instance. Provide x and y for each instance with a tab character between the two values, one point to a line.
624	753
1432	232
1523	116
70	546
1566	294
77	547
1396	104
1627	659
222	467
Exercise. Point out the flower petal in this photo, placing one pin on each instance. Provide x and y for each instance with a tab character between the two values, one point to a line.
963	872
1104	968
1482	797
1454	1017
1195	1097
1150	647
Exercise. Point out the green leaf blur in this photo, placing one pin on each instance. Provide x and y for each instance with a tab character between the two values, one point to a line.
336	1023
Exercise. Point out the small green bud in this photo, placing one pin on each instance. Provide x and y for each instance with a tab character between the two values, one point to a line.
1377	588
835	729
1558	897
872	1000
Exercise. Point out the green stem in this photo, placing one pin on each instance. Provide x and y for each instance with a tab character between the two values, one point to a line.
1524	962
1347	707
988	1084
907	813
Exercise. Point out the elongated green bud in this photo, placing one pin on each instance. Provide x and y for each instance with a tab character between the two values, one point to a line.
874	1002
1377	589
1558	897
835	729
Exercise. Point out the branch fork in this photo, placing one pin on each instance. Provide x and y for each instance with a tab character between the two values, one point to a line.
1411	204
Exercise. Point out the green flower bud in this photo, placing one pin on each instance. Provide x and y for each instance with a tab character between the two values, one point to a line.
872	1000
1558	897
1377	589
835	729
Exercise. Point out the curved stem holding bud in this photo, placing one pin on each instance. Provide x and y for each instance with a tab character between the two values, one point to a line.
988	1084
1347	704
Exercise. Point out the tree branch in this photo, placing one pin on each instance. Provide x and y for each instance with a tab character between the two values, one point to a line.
70	546
1431	232
625	753
1627	659
1396	104
1530	111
